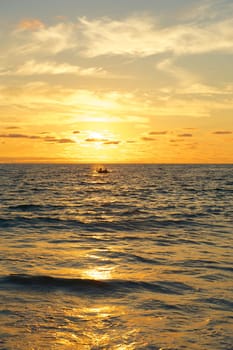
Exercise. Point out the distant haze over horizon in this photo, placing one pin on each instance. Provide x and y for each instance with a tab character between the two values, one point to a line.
36	161
116	82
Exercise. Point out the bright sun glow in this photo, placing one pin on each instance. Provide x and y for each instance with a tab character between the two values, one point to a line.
98	273
96	135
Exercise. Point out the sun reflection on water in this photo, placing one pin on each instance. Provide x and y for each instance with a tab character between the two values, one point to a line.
98	273
99	331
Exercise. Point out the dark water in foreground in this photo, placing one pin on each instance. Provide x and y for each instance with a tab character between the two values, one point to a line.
140	258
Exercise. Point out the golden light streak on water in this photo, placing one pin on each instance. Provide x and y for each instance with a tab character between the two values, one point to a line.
99	273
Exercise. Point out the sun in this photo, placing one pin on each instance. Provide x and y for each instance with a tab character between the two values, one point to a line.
95	135
101	145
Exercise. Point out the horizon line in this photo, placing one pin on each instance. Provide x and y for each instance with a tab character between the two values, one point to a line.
70	162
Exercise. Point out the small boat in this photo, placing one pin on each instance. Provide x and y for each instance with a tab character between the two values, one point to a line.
102	171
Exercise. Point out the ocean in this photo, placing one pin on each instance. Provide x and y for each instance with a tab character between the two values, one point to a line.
138	258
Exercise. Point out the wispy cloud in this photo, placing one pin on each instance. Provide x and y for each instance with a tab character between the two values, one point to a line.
130	141
138	36
51	39
185	135
33	67
37	137
206	10
30	24
19	136
222	132
190	128
58	140
157	132
50	139
82	105
12	127
94	139
147	138
176	140
109	142
142	36
65	140
103	141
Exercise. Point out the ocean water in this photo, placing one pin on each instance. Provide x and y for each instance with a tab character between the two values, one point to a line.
139	258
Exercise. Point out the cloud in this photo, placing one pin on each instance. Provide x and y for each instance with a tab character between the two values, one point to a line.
141	36
65	140
138	36
104	141
206	10
94	139
222	132
190	128
19	136
36	137
50	139
76	132
111	142
12	127
130	141
74	105
190	84
52	68
105	36
58	140
185	135
184	77
147	138
53	39
30	24
176	140
157	132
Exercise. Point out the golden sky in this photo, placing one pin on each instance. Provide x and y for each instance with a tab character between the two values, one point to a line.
116	81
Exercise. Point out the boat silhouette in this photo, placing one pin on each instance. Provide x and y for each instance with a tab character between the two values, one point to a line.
102	171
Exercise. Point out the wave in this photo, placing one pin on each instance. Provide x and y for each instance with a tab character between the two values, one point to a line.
218	303
44	282
34	207
99	225
205	264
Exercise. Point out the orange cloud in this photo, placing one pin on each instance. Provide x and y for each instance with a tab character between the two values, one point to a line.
111	142
61	140
31	24
158	132
12	127
19	136
65	140
147	138
222	132
94	139
185	135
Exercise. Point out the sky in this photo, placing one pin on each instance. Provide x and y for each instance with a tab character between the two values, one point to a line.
103	81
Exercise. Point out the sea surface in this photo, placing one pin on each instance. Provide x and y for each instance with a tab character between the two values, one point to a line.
139	258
